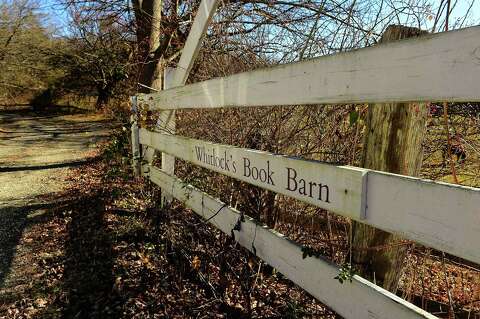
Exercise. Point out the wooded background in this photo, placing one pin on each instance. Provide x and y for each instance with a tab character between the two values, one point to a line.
114	49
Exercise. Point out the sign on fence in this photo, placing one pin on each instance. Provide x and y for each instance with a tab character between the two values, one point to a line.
442	216
416	209
326	186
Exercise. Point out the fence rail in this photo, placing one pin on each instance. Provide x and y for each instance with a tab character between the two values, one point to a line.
338	189
439	67
439	215
359	299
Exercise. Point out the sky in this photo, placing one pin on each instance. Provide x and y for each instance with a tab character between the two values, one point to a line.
58	16
462	7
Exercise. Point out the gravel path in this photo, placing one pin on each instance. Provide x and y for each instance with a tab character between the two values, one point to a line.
36	152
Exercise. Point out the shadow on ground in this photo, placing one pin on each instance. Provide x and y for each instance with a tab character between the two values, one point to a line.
28	138
88	273
54	245
73	163
81	252
12	223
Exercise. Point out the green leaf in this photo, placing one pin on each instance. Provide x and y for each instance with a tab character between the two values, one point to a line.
353	117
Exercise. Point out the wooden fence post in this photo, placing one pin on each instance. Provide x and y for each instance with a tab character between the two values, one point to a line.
393	139
178	77
135	137
167	120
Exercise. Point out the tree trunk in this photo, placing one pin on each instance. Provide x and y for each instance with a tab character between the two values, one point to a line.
102	98
393	139
148	15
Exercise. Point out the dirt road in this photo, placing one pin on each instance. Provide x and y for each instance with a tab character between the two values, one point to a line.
36	152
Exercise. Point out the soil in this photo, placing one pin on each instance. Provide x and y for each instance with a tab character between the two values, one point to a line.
37	152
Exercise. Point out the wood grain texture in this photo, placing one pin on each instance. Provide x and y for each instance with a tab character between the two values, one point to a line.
135	137
167	124
194	41
393	142
135	146
360	299
439	215
437	67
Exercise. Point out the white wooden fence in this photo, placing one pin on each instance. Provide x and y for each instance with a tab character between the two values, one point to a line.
439	67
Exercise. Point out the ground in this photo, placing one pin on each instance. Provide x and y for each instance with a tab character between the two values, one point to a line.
36	154
37	150
81	237
86	239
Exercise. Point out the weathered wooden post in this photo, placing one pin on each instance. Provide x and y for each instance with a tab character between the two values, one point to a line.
178	77
393	139
135	137
167	120
165	124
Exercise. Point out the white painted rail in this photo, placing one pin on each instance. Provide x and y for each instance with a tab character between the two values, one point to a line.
178	77
338	189
359	299
439	215
437	67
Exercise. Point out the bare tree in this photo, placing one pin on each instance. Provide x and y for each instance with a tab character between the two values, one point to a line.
268	32
24	45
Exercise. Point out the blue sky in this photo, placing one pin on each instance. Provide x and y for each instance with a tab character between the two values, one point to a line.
58	17
462	7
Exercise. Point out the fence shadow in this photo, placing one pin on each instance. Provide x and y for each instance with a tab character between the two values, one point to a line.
88	280
88	273
13	220
73	163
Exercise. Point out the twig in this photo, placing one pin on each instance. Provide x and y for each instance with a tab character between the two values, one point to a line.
449	143
451	312
147	87
211	217
447	15
206	304
258	275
